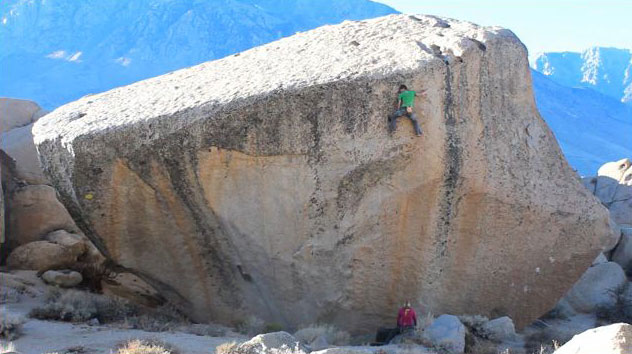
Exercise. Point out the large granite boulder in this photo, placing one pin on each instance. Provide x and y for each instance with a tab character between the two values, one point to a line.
266	183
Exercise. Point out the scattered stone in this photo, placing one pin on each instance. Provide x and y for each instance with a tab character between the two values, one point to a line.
500	329
41	256
94	322
592	290
613	186
448	333
62	278
612	339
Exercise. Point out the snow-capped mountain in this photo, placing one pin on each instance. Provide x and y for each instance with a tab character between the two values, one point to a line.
606	70
591	128
55	51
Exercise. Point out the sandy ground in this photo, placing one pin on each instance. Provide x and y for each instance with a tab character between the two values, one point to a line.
52	336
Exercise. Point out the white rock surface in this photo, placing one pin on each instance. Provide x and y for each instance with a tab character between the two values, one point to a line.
270	343
612	339
592	289
448	333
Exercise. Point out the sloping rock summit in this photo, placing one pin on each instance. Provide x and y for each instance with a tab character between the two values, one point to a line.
266	183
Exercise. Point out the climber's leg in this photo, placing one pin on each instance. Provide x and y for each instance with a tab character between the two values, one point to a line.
413	118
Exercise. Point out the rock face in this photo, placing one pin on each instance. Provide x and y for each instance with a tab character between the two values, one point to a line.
612	339
623	253
267	184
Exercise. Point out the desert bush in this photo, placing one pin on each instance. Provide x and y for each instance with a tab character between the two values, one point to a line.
250	326
226	348
332	334
10	325
9	295
146	346
79	306
7	348
162	319
621	312
201	329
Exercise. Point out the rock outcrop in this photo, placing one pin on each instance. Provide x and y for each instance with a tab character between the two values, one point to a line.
266	183
613	186
18	113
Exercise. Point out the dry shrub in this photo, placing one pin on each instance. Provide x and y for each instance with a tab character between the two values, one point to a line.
80	306
621	312
7	348
250	326
332	334
202	329
226	348
10	325
146	346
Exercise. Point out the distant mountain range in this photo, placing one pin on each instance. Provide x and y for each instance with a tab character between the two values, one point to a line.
605	70
586	98
55	51
591	128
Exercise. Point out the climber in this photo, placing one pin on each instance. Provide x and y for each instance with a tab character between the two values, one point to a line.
405	102
406	318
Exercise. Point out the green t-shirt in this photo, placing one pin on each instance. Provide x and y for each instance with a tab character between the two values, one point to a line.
407	98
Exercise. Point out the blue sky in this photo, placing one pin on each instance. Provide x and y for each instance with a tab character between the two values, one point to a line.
543	25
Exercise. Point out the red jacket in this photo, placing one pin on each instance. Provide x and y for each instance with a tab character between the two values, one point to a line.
406	317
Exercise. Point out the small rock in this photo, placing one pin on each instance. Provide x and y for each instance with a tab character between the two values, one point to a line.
62	278
592	289
612	339
447	332
94	322
500	329
41	256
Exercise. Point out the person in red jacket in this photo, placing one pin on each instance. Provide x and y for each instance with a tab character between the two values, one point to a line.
406	318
